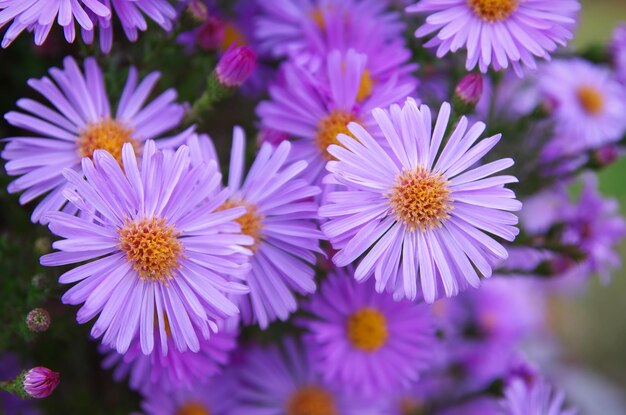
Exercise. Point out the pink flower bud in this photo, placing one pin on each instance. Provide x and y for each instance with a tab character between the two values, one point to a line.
210	34
38	319
235	66
470	89
39	382
606	155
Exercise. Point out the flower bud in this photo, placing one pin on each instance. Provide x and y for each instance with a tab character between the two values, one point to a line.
470	89
210	34
235	66
38	320
198	10
40	382
605	156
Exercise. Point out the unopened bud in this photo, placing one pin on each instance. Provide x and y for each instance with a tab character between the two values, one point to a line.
605	156
38	320
235	66
210	34
470	89
198	10
40	382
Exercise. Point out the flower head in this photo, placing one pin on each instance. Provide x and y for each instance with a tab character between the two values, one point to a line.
412	209
156	247
497	33
367	341
79	122
281	218
235	66
533	397
39	382
38	319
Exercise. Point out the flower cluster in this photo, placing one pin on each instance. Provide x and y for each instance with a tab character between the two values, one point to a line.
377	250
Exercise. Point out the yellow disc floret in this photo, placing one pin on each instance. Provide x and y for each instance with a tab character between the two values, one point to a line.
109	135
590	99
311	400
329	127
493	10
367	329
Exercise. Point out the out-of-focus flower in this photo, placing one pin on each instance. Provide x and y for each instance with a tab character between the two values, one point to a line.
421	219
78	122
497	33
269	135
38	16
156	246
522	397
281	217
39	382
210	34
281	380
366	341
618	49
38	319
235	66
588	102
314	109
470	89
606	155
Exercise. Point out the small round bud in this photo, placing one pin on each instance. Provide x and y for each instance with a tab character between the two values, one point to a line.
39	281
210	34
470	89
235	66
40	382
38	320
42	245
198	10
605	156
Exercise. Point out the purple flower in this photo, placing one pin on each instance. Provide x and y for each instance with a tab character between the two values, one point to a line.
497	33
314	108
618	48
589	104
78	122
235	66
281	380
217	396
470	89
156	247
11	404
40	382
412	210
38	16
38	319
281	217
366	341
536	397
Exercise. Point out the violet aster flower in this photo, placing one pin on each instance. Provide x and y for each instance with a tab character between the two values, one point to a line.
414	211
156	247
497	33
131	16
216	396
618	49
536	397
589	104
39	382
313	109
39	16
176	370
367	341
281	380
281	217
79	121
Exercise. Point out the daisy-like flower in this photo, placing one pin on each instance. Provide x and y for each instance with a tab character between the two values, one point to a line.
589	104
315	108
216	396
78	122
39	16
281	217
367	341
421	220
131	17
176	370
281	380
156	247
497	33
523	397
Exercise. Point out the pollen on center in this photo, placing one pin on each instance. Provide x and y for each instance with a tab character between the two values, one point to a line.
590	99
251	222
152	247
367	329
366	86
329	127
107	134
311	400
420	199
193	408
493	10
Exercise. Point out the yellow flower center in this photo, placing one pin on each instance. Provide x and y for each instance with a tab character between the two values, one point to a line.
367	329
251	222
317	15
311	400
420	199
109	135
493	10
365	86
411	406
329	127
151	245
193	408
232	35
590	99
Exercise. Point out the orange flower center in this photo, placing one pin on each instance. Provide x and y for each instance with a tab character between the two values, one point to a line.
365	86
367	329
232	35
193	408
420	199
410	406
329	127
152	246
493	10
251	222
311	400
109	135
590	99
